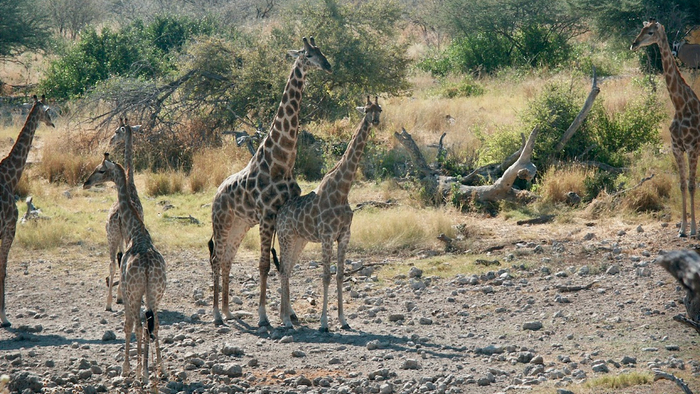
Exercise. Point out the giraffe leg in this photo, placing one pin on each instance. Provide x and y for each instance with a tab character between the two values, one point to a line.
7	239
227	237
692	170
266	230
128	327
289	253
235	237
342	246
112	271
145	341
680	161
327	252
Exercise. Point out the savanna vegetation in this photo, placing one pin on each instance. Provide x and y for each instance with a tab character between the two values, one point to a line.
191	72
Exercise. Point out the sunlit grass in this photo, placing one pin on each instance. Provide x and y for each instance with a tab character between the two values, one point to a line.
621	381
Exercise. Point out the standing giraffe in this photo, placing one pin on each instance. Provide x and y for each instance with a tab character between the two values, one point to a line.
685	127
11	168
117	236
324	216
142	271
254	194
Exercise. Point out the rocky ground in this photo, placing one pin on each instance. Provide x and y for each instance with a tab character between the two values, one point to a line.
509	328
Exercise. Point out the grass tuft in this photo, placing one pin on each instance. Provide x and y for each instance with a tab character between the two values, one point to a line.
164	183
622	380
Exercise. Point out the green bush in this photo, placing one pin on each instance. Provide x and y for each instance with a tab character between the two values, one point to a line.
137	50
466	87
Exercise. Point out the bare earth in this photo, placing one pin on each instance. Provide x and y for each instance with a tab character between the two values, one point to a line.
410	333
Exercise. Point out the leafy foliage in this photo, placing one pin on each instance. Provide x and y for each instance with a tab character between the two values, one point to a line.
21	27
138	50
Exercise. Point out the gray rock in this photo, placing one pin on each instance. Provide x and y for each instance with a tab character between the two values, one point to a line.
410	363
532	325
525	357
109	335
627	360
287	339
585	270
386	388
613	270
489	350
230	350
303	381
483	381
426	321
537	360
396	317
415	272
231	370
563	391
298	353
21	381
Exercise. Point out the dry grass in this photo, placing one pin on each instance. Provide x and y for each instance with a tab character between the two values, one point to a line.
211	166
164	183
621	381
559	181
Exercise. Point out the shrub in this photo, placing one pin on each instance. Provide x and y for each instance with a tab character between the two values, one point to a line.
164	183
67	159
558	181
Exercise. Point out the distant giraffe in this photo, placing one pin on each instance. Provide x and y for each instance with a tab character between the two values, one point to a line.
142	271
11	168
253	195
685	127
324	216
117	236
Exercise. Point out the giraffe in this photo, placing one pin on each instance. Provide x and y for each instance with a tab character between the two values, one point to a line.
142	271
324	216
11	168
685	127
253	195
117	236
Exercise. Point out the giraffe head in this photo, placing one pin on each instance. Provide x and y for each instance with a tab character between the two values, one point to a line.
104	172
311	56
651	34
120	134
372	110
44	110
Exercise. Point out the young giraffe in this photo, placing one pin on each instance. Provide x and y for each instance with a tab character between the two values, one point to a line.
11	168
142	271
324	216
253	195
685	127
117	236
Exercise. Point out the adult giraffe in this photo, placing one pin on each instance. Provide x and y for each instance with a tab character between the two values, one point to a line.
254	194
685	127
11	168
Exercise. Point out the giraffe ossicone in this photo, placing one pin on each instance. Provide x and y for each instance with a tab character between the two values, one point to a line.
323	216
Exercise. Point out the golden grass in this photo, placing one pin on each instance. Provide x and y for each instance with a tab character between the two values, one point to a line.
559	181
164	183
211	166
621	381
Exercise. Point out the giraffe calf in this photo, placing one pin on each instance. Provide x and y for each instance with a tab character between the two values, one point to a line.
323	216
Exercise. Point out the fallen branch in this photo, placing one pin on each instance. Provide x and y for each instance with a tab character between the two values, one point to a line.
633	187
570	289
538	220
659	374
376	204
690	323
486	263
189	218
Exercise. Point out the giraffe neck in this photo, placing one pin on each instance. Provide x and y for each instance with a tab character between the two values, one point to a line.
129	163
279	148
129	215
12	166
341	177
674	80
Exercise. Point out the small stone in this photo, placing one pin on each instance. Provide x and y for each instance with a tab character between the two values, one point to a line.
600	368
537	360
386	388
640	229
532	325
613	270
585	270
231	370
109	335
410	363
287	339
589	236
672	348
394	317
230	350
298	353
425	321
303	381
627	360
563	391
415	272
484	381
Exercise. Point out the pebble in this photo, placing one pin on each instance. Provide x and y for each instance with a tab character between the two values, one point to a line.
410	363
230	350
109	335
532	325
298	353
613	270
627	360
415	272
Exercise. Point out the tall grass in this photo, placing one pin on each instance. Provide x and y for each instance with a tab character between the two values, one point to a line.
211	166
164	183
559	181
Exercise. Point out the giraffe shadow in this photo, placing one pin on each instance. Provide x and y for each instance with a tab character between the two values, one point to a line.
355	338
20	338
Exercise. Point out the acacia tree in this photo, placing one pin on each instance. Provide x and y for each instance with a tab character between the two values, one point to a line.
21	28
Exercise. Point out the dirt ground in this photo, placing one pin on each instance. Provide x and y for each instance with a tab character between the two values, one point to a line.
509	328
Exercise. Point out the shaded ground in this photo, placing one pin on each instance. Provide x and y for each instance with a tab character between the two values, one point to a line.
410	333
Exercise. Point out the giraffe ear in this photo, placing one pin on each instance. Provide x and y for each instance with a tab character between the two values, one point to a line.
35	98
136	128
294	54
361	110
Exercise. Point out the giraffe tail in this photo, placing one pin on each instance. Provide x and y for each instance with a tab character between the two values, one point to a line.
210	244
274	258
150	323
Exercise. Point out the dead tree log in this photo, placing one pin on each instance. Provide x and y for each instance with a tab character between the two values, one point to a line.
502	189
581	115
494	170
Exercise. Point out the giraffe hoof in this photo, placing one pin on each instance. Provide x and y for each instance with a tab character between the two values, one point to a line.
219	322
5	324
109	309
346	327
323	329
264	323
119	301
294	318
